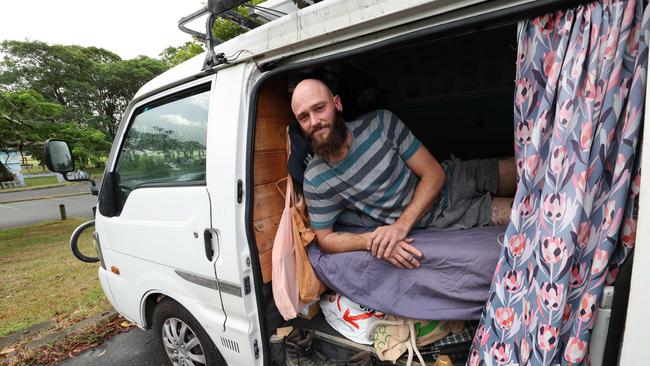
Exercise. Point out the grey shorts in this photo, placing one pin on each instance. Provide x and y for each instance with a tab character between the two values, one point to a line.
466	199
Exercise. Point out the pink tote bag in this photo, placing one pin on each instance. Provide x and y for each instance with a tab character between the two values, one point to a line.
284	279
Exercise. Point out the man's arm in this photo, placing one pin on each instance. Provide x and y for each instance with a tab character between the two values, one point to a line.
432	179
330	241
403	256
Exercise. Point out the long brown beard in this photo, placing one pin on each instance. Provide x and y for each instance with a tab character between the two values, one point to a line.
335	140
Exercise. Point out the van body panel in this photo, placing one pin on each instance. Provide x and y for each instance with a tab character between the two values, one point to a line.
159	233
225	165
635	350
102	274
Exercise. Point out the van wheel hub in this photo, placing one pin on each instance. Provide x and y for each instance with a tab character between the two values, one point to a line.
181	343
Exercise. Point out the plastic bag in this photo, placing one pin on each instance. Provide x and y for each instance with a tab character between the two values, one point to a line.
284	278
352	320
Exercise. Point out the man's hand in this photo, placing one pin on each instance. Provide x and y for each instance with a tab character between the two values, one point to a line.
405	255
384	239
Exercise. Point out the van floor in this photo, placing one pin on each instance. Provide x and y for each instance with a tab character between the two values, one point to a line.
335	346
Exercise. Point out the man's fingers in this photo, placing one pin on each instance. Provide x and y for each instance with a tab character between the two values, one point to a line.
382	246
410	257
374	245
409	240
374	239
411	249
392	245
394	262
403	261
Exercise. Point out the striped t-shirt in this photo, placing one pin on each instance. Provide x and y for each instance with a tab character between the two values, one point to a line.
372	179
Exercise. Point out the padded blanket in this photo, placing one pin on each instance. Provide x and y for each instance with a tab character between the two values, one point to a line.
452	282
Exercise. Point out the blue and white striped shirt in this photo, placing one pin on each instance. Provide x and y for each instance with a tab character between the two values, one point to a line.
372	179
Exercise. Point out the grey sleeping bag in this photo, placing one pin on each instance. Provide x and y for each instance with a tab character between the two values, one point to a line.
452	282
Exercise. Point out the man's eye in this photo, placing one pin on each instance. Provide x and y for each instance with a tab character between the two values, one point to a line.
320	108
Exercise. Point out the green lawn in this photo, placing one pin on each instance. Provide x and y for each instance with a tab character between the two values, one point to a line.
40	279
40	181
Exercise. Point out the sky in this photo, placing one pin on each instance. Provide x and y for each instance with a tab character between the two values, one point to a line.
126	27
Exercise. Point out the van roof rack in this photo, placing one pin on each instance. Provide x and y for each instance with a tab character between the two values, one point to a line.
216	9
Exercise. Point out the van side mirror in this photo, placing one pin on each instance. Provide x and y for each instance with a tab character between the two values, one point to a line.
58	157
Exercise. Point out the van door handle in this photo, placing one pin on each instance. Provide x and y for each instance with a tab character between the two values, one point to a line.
210	238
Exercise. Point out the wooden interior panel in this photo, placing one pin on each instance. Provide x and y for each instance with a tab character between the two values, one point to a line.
269	165
268	201
266	262
265	230
274	101
270	133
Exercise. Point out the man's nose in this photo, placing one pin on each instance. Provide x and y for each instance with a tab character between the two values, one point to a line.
314	121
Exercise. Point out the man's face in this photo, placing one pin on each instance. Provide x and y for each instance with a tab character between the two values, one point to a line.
316	110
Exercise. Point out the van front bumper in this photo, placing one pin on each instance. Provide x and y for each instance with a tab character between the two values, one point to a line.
103	281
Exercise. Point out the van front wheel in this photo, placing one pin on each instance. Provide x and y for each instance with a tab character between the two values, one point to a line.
181	336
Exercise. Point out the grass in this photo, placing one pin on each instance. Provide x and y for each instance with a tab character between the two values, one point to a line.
40	279
40	181
9	190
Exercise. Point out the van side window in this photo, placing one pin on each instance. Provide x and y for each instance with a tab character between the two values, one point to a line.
165	144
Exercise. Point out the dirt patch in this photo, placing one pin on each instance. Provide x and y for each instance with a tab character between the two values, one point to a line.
65	347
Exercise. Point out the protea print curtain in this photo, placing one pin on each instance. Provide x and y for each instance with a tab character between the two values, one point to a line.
579	101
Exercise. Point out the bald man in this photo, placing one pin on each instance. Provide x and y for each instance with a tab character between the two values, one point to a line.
375	166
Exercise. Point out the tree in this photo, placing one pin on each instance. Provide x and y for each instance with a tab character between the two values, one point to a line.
27	120
173	56
224	29
115	85
24	117
94	84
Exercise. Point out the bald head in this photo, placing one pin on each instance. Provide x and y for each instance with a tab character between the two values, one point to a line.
311	100
309	91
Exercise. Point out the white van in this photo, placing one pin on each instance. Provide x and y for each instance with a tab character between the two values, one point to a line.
188	207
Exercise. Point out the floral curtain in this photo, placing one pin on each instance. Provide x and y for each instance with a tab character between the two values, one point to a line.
579	102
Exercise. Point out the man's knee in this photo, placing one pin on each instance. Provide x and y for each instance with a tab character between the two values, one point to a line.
501	209
507	185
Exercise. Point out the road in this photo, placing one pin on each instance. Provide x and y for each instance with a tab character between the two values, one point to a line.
34	206
133	348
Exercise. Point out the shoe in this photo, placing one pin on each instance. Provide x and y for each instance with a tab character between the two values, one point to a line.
299	349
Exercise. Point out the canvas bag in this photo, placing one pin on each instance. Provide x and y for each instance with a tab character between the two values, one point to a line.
297	154
310	286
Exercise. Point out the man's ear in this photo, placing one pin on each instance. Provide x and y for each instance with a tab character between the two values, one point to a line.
338	104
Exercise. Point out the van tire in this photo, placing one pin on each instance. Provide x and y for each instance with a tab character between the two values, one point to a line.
170	314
